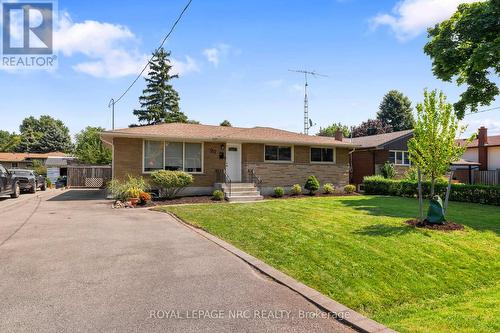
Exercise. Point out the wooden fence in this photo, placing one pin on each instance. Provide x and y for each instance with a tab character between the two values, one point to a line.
90	176
487	177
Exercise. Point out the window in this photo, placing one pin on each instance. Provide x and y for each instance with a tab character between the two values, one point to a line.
399	157
322	155
174	156
192	160
278	153
153	155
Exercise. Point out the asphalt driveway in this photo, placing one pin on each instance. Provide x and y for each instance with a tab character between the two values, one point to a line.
68	262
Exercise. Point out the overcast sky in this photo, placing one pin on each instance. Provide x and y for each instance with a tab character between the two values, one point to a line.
233	59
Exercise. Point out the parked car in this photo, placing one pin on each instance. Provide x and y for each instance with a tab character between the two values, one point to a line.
9	184
29	180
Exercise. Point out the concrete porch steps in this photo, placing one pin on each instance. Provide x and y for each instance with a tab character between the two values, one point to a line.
242	192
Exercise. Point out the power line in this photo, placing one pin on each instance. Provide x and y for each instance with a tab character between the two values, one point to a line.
481	111
147	64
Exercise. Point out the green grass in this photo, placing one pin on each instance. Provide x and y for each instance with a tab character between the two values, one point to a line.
358	251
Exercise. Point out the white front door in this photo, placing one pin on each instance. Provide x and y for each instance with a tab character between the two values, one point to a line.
233	161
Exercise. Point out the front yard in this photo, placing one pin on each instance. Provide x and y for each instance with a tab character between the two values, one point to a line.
358	251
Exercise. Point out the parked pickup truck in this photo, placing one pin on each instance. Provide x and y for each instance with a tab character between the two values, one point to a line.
9	185
29	180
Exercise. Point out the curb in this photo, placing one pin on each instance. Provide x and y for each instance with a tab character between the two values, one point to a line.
349	316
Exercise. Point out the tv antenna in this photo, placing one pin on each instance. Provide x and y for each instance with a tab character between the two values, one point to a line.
307	122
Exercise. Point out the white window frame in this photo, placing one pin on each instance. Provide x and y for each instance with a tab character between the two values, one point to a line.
323	147
292	148
403	152
183	155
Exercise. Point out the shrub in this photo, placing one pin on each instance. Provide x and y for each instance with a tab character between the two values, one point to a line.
388	171
144	198
123	190
484	194
279	192
218	195
39	168
296	189
312	184
328	188
349	188
171	182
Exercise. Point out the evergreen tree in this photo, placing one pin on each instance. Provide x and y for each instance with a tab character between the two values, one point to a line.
226	123
54	139
395	110
159	101
29	141
43	135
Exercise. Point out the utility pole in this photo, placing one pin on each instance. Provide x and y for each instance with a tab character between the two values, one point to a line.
307	123
111	105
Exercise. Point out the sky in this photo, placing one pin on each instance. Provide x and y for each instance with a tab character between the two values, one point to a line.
233	59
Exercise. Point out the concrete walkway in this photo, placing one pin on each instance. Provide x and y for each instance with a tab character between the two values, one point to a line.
68	262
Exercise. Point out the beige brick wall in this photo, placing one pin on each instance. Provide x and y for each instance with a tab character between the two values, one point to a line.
128	161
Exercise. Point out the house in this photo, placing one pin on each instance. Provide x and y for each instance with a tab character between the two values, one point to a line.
217	155
375	150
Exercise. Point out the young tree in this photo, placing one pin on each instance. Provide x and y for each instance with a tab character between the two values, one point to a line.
371	127
395	110
333	128
159	101
433	146
89	148
226	123
467	47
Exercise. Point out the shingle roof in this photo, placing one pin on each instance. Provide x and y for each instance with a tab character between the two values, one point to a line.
180	131
19	157
372	141
493	140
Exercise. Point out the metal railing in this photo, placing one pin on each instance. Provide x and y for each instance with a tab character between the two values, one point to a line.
222	177
253	178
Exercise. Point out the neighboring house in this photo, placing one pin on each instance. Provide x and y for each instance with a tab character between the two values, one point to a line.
375	150
25	160
276	157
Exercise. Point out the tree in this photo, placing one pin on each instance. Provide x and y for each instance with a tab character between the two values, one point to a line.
467	46
8	141
333	128
433	146
159	101
312	184
89	148
395	110
226	123
371	127
43	135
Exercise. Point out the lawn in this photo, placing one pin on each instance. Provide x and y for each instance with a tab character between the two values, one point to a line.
358	251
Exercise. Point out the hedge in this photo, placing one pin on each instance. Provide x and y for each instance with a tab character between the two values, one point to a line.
485	194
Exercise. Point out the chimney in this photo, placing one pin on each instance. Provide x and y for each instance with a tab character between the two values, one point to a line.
482	149
338	135
482	136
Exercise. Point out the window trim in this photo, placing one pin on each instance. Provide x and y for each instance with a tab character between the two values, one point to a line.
183	155
321	162
292	148
403	153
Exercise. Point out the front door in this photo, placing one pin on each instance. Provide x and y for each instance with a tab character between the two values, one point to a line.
233	161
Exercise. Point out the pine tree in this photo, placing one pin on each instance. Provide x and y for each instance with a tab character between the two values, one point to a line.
395	110
29	142
54	139
159	101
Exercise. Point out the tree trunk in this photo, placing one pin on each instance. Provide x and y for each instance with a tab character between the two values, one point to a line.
433	182
448	190
420	199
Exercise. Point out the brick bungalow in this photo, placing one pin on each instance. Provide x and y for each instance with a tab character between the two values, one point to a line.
375	150
214	154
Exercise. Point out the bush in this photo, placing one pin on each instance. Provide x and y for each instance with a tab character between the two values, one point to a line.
296	189
388	171
39	168
349	189
124	190
144	198
328	188
312	184
279	192
218	195
171	182
484	194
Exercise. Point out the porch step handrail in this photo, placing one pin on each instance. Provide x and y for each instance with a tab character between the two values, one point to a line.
224	178
256	180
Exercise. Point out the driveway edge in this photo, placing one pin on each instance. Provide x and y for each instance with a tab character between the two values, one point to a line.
350	317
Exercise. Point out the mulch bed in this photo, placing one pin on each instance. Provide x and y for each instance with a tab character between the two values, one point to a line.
448	226
291	196
185	200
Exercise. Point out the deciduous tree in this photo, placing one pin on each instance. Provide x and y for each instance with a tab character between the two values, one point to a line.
371	127
89	148
333	128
